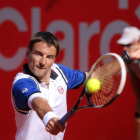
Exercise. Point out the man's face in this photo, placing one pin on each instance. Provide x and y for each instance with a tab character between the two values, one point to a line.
125	47
40	59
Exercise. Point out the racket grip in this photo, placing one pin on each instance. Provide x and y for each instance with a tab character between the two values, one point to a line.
65	118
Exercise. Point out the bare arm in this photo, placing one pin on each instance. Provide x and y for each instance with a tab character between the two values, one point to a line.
114	66
135	82
134	50
106	72
41	106
134	73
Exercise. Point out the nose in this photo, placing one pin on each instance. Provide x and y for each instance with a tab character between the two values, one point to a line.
42	61
125	48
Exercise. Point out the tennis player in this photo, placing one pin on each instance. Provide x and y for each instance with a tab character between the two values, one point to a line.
128	38
39	91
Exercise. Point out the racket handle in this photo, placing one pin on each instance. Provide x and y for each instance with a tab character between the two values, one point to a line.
65	118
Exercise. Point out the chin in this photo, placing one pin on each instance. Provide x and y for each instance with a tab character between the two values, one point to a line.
41	75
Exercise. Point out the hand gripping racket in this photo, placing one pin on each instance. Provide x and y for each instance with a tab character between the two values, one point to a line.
111	71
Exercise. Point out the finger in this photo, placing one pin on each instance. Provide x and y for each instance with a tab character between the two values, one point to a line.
51	130
48	128
52	127
60	126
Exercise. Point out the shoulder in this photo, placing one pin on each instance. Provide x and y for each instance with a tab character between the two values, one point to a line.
59	73
59	67
21	77
62	70
74	78
66	70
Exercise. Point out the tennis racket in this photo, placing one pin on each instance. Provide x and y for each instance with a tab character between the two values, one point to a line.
111	71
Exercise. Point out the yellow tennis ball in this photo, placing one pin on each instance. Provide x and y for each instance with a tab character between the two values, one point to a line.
93	85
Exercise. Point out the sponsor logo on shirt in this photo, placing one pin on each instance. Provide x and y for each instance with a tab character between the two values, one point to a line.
60	90
24	90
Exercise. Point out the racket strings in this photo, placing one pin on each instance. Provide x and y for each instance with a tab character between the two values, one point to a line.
109	83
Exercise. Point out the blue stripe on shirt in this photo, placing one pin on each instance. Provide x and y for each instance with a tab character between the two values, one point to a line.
22	90
75	77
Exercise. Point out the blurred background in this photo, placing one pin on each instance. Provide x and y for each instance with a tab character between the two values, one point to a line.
86	30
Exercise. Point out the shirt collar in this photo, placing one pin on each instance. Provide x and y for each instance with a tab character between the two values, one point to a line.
26	70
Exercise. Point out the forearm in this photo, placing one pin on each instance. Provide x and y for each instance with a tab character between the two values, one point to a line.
106	71
135	82
133	52
41	106
45	112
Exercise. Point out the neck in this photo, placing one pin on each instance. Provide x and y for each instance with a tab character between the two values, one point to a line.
46	78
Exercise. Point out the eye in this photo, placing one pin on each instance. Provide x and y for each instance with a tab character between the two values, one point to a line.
50	57
38	53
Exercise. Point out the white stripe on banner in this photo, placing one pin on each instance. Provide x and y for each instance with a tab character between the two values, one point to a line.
137	12
123	4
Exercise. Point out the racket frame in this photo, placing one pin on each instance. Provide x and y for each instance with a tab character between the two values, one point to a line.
69	114
122	80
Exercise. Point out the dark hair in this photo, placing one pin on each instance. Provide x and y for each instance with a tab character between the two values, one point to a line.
47	37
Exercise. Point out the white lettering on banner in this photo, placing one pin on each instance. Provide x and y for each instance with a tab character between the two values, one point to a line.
137	12
35	20
86	32
123	4
12	63
67	43
115	27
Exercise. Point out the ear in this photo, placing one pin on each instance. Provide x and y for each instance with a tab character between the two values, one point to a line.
27	53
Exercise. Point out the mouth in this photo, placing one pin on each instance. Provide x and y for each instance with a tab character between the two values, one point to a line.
41	68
